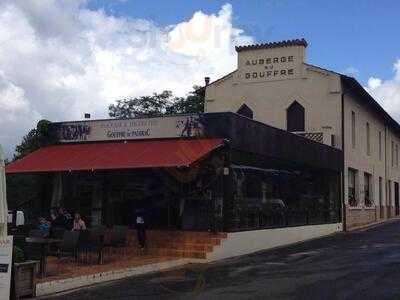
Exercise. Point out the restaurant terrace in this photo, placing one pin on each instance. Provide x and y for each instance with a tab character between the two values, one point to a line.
200	181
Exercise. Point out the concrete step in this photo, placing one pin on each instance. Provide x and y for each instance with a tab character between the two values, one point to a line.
187	240
176	253
185	244
182	246
171	233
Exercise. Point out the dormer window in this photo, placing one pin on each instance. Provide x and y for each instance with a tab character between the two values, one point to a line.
245	111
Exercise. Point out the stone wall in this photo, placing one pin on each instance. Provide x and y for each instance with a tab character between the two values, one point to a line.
359	217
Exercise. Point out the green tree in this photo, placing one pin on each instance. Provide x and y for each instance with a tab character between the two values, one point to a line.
193	103
158	104
36	138
22	189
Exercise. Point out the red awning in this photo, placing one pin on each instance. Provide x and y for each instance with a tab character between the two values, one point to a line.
114	155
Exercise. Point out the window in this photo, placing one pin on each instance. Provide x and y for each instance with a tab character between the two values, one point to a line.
368	201
389	194
380	145
295	117
276	197
352	187
332	140
392	154
353	129
381	197
397	156
368	140
246	111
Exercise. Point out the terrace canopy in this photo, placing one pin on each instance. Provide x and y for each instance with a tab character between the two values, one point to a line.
115	155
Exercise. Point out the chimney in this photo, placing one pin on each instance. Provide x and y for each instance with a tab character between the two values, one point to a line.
207	80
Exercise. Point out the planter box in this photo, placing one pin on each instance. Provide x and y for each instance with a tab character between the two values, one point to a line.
24	279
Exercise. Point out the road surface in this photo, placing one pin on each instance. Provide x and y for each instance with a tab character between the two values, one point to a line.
358	265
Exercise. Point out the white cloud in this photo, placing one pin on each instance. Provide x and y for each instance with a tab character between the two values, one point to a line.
207	36
387	92
374	83
351	71
59	59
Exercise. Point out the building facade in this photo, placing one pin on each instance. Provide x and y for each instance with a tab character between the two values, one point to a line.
193	172
273	84
262	186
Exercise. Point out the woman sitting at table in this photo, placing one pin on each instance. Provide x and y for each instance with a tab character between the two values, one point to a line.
79	224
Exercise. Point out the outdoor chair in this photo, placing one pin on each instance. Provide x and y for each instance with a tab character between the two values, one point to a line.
69	245
84	243
31	251
19	241
118	238
57	233
97	243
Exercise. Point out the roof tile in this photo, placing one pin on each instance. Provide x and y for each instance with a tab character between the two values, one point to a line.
287	43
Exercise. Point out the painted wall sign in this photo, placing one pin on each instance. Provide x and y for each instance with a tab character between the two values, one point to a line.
270	64
130	129
272	67
269	68
5	267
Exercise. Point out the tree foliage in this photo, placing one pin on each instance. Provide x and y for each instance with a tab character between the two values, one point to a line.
36	138
22	189
158	104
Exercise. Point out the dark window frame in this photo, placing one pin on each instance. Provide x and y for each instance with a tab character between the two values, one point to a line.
245	111
295	117
368	195
352	191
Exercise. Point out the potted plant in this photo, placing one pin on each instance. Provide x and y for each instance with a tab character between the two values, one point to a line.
23	275
352	200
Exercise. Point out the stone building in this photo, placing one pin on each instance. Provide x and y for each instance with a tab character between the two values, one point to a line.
274	84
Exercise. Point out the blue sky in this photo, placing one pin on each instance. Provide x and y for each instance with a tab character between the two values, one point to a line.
363	35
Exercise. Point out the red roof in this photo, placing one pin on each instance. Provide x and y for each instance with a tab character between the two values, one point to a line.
114	155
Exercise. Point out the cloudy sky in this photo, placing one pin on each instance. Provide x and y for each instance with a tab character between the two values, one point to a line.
60	59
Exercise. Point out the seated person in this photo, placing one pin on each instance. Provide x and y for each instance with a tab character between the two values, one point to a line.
79	224
44	225
60	221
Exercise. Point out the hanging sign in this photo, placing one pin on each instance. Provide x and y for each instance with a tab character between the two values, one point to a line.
129	129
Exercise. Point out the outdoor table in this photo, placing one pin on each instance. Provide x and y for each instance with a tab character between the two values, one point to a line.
44	245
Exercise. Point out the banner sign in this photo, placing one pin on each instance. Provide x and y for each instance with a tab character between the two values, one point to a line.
129	129
5	266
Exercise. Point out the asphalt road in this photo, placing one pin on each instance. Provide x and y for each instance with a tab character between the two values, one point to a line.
357	265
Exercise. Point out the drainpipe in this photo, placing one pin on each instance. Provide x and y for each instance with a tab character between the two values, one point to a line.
344	211
386	183
226	217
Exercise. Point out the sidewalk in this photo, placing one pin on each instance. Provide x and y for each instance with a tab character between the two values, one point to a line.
70	275
354	265
373	225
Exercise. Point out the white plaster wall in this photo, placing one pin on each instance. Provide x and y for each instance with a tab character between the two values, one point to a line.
245	242
316	89
357	157
269	100
319	91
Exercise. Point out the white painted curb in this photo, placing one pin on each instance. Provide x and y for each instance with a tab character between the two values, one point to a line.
62	285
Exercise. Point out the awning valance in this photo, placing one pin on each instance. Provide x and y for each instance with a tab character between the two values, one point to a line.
115	155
